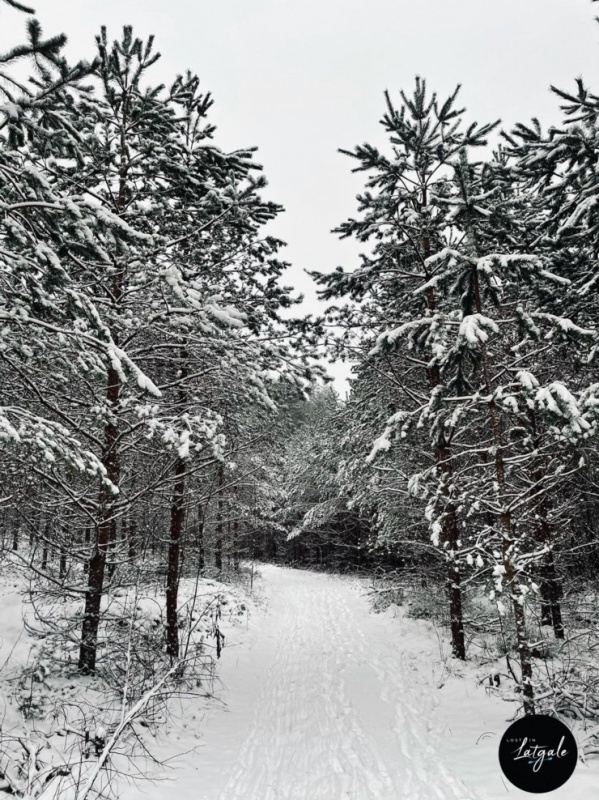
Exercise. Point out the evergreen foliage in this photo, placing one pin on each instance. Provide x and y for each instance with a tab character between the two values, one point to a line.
162	408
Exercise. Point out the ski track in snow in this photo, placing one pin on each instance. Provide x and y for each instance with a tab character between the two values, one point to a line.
321	705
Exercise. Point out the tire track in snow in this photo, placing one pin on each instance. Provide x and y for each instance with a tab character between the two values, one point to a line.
302	715
334	718
414	738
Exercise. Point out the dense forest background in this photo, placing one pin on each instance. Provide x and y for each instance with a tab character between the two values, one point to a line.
165	413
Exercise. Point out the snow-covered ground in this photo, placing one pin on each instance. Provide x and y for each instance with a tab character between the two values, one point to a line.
327	701
321	699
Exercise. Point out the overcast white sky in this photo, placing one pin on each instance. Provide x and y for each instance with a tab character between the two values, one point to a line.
300	79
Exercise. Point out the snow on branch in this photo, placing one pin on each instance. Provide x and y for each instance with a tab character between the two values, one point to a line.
474	329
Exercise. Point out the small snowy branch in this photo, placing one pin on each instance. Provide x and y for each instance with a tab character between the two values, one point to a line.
126	720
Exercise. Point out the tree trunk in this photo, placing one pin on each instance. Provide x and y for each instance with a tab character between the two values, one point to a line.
452	576
45	548
131	543
229	545
112	544
62	568
519	616
218	545
44	564
174	552
236	554
508	538
549	586
200	539
93	600
449	523
104	533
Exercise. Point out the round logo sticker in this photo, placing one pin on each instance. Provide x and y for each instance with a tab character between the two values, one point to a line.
538	753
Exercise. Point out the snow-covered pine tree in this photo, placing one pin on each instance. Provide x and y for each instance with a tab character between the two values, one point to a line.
321	527
514	215
379	487
558	169
396	284
41	232
187	286
147	239
231	328
489	345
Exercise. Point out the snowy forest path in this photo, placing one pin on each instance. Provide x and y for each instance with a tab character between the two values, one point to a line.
322	704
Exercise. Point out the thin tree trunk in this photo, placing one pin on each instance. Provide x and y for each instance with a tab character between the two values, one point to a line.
229	545
200	539
449	523
218	545
174	558
104	532
62	567
106	528
44	564
508	539
45	548
549	586
452	576
112	544
131	531
174	552
236	554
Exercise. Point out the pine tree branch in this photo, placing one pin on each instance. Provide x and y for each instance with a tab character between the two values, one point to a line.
19	6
